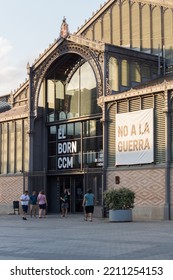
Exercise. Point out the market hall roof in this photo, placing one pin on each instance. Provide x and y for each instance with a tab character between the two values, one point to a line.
17	112
4	106
106	6
78	37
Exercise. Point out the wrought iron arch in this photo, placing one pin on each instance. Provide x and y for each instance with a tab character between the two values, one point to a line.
93	58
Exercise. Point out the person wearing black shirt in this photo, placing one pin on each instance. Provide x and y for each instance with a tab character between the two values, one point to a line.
65	202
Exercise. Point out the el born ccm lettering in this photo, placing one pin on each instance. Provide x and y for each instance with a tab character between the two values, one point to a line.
64	148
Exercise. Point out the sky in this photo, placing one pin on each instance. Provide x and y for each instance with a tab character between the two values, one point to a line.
28	27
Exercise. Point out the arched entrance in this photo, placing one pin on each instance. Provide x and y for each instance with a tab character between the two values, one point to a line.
73	130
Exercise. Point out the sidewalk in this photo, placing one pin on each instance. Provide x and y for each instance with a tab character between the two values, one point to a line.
72	238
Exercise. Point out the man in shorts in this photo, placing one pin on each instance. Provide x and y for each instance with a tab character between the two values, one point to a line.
88	203
24	202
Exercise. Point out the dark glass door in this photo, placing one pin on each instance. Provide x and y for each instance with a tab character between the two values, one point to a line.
79	193
75	186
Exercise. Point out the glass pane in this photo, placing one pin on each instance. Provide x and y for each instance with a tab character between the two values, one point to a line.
124	73
59	90
11	148
26	146
135	72
78	129
113	74
89	128
70	130
52	133
62	116
92	144
50	100
52	163
4	149
71	97
92	128
18	146
92	151
52	149
59	101
88	91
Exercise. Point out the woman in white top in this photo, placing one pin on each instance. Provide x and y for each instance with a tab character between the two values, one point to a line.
24	202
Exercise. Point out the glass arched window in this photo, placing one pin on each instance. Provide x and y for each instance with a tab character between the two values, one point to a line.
77	98
113	74
81	94
124	73
135	73
146	72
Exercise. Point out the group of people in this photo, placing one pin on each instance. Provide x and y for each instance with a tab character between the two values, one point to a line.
41	201
88	204
33	200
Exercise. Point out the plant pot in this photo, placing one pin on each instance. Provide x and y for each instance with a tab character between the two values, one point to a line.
120	215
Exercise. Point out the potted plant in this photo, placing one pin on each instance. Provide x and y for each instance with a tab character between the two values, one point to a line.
119	202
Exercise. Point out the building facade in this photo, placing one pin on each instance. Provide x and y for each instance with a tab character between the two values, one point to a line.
96	111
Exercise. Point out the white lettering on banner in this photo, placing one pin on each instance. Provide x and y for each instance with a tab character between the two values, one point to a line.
65	162
67	147
134	137
61	134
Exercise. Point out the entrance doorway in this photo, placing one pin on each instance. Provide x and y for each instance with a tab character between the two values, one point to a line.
77	185
76	188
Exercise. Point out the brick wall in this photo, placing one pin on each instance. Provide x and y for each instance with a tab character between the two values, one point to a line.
11	188
149	187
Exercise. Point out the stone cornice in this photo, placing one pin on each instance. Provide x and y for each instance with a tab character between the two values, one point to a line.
138	92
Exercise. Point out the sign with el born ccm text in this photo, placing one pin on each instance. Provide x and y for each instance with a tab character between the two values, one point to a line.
66	151
134	137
